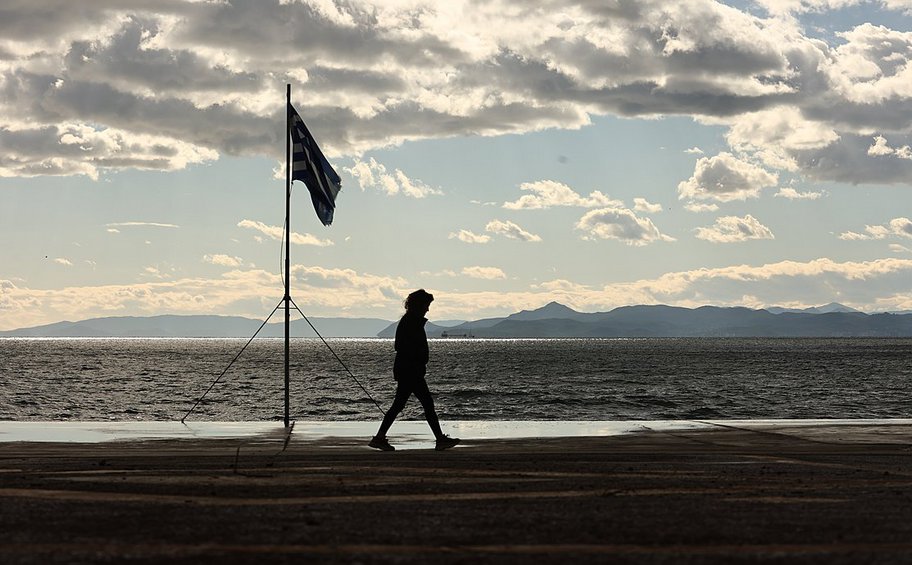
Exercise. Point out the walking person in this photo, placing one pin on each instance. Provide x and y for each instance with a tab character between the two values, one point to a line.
409	369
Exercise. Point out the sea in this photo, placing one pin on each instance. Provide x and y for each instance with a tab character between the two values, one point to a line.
143	379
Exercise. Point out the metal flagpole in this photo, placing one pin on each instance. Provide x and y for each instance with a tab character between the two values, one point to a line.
287	237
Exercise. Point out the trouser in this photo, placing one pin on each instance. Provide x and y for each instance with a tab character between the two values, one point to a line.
405	389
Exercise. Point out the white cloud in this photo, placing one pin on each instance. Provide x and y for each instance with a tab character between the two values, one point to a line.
510	230
621	224
725	178
792	194
63	261
339	279
223	260
470	237
371	174
116	225
277	233
160	273
698	207
776	134
78	148
254	293
643	205
897	248
694	151
897	227
548	194
487	273
860	284
561	285
881	149
730	229
250	293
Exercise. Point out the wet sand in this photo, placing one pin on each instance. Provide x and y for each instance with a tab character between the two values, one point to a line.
780	492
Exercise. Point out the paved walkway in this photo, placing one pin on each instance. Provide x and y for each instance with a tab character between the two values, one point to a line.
725	492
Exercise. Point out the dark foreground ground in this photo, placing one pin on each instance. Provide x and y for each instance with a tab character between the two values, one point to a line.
824	495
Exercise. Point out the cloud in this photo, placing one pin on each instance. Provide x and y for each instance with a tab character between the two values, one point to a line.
897	227
470	237
548	194
223	260
63	261
116	225
83	149
881	149
561	285
206	74
253	293
643	205
161	273
122	85
792	194
487	273
277	233
621	224
335	278
730	229
724	178
864	284
371	174
694	151
775	135
510	230
700	207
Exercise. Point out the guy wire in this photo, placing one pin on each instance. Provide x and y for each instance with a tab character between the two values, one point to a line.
338	359
236	357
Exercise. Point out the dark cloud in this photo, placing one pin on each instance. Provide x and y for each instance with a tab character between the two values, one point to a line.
211	75
847	160
123	62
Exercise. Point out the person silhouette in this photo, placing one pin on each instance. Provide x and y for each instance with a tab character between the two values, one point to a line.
409	369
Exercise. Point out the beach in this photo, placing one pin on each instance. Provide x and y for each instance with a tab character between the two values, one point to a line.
686	492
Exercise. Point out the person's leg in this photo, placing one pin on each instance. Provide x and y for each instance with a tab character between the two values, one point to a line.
403	392
423	394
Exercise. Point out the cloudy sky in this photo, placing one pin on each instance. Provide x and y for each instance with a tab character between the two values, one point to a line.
501	154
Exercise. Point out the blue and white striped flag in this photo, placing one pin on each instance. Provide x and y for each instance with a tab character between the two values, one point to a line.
310	166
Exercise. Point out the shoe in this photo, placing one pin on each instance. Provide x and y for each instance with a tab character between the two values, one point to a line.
446	442
381	443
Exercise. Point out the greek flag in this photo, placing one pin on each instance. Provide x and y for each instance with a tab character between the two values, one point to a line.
310	166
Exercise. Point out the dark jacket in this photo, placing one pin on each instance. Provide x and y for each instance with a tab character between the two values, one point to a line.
411	348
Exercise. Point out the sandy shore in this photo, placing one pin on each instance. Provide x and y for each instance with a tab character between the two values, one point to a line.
787	492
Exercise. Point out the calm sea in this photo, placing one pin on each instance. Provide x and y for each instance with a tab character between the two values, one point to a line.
521	379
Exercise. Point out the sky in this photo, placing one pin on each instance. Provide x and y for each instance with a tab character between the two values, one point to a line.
500	154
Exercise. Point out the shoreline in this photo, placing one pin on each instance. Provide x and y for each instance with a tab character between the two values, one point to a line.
414	434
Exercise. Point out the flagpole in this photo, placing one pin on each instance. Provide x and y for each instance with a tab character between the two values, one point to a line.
287	238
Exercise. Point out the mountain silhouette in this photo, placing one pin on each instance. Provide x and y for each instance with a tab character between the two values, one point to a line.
200	326
551	320
555	320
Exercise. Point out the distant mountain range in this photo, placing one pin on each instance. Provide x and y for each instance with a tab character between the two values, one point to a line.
552	320
556	320
201	326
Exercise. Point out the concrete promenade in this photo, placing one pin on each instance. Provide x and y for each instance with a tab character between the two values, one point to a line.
697	492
